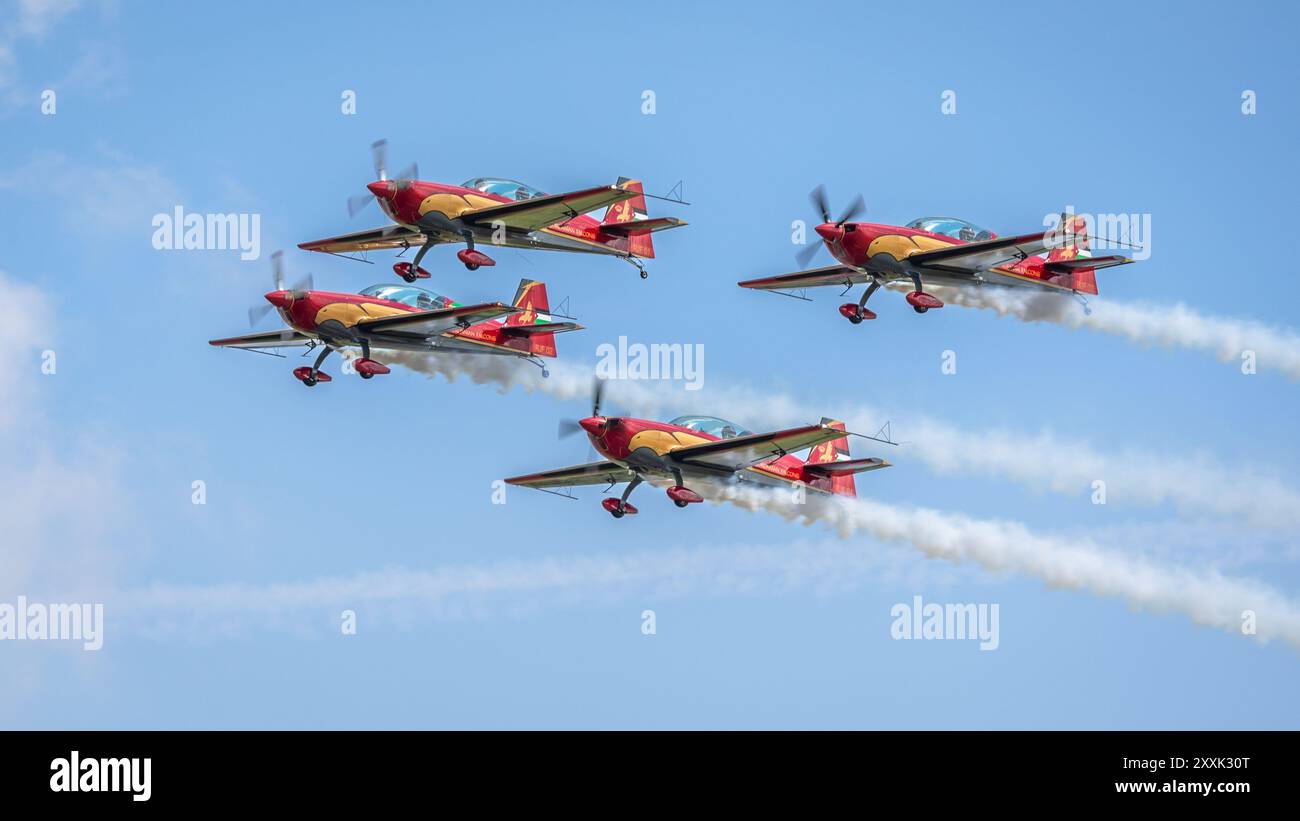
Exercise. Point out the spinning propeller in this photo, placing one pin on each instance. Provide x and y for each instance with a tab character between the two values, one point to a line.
258	312
568	427
818	198
379	153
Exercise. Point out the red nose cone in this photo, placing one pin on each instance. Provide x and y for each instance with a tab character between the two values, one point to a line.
595	425
829	231
279	299
381	188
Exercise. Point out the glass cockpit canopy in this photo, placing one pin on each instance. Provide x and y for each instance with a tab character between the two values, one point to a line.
711	425
417	298
952	227
510	189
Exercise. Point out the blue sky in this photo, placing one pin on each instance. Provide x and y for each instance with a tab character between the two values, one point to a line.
227	614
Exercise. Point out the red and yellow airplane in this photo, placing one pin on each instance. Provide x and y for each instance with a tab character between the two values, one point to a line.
402	318
499	212
638	450
943	250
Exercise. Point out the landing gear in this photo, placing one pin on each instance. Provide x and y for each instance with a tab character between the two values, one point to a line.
857	313
310	376
540	363
472	259
411	271
620	507
636	263
919	299
369	368
682	495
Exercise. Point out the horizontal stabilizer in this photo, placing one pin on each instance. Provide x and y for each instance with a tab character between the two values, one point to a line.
1065	266
634	227
846	466
542	328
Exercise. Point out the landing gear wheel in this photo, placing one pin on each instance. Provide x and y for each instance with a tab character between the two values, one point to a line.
409	278
645	274
367	376
309	376
545	373
617	507
471	266
683	496
922	302
856	313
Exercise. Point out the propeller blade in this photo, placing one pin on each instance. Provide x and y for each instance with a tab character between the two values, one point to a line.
358	202
379	151
410	172
277	269
567	428
257	313
805	254
818	198
856	207
598	394
304	284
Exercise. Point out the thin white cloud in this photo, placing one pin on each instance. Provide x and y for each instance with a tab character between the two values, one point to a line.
30	21
514	587
508	588
122	194
59	495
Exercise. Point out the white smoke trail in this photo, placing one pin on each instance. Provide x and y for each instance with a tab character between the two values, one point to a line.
1171	327
1193	483
1208	598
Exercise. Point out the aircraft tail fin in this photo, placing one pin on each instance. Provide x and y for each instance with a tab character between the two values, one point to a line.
527	324
826	453
1073	230
638	244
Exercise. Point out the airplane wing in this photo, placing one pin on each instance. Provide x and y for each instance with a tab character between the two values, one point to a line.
425	324
539	212
974	257
392	236
286	338
812	278
745	451
592	473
